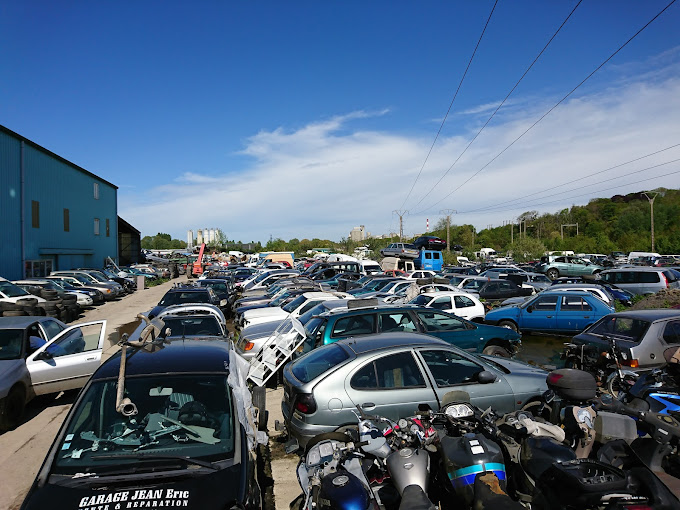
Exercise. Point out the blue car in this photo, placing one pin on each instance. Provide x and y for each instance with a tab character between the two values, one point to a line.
566	312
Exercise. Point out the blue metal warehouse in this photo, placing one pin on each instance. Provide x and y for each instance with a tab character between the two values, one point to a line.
53	213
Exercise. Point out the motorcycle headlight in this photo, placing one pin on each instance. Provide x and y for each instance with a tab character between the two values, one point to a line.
459	411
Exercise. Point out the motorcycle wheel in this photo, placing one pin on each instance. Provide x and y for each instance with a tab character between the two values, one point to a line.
616	387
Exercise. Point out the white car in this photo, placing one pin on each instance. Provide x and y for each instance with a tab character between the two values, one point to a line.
459	303
294	308
421	273
10	293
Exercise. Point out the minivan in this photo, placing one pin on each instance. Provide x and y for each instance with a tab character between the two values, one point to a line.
642	280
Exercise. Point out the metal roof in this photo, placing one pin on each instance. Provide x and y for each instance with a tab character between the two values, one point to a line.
52	154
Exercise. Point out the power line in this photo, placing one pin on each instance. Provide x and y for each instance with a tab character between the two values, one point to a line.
500	105
451	104
513	208
523	199
553	107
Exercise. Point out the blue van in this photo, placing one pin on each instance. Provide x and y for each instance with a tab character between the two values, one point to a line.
429	259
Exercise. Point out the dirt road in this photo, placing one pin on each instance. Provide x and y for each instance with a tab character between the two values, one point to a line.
22	450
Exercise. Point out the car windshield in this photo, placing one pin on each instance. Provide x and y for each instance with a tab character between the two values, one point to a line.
98	276
183	415
312	325
474	284
315	310
11	290
626	328
421	300
317	362
280	298
260	277
191	326
82	279
10	343
176	298
294	304
540	278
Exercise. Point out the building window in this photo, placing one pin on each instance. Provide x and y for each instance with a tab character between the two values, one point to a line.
35	213
108	228
96	191
67	226
96	226
38	268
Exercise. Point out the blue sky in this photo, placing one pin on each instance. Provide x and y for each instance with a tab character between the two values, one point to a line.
305	119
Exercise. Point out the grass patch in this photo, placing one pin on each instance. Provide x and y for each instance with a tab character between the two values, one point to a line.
153	283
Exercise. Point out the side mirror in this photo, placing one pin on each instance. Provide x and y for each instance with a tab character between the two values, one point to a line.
44	356
530	308
485	377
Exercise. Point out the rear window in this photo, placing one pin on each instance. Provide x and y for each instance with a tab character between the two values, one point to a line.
649	277
318	362
625	328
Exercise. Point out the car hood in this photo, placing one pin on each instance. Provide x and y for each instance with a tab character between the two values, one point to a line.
266	329
270	311
11	370
504	310
208	490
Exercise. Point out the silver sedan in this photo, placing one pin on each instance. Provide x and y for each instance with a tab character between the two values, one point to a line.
390	374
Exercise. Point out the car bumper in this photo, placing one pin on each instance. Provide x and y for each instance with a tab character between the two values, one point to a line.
300	430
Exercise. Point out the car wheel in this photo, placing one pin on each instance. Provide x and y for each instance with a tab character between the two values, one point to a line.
12	408
260	402
552	273
509	325
496	350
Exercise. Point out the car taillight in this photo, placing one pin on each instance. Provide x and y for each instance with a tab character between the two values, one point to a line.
248	346
633	363
664	279
305	403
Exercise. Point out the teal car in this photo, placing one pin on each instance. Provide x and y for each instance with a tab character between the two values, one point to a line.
567	312
340	323
554	267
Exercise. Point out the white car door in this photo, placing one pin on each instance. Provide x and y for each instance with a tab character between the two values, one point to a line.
68	360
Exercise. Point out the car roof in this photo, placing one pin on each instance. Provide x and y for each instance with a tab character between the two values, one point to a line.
635	268
188	289
22	321
176	356
369	343
438	293
561	286
650	315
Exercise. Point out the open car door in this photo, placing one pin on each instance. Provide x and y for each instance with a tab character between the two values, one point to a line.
68	360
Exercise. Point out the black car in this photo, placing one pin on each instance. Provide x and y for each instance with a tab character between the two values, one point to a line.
223	287
181	295
429	243
495	289
175	440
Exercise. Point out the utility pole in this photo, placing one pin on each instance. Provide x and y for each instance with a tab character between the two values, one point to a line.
448	213
651	206
512	231
401	213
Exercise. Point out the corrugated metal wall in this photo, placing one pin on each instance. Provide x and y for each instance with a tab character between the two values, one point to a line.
10	207
56	185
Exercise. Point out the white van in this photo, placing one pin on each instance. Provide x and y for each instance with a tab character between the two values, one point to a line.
370	266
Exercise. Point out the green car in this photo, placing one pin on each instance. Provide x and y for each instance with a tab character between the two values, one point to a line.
556	266
340	323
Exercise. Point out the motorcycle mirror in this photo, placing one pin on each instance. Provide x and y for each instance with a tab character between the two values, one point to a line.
424	408
485	377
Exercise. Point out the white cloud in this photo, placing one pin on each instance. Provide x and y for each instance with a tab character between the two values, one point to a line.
324	178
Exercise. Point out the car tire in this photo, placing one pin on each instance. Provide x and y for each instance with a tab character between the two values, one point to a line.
14	313
496	350
552	273
509	325
260	402
12	408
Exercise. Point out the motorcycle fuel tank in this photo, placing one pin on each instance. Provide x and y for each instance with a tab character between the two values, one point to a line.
409	466
342	491
467	456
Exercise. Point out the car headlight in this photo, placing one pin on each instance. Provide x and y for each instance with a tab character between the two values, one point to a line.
459	411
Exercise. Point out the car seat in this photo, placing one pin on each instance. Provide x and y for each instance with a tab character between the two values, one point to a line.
389	324
175	402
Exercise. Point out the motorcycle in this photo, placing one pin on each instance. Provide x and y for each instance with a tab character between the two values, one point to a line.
659	389
606	366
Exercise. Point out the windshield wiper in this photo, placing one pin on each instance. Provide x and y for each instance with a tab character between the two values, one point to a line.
144	456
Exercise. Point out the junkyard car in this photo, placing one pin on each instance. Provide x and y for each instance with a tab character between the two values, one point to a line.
174	441
458	303
390	375
559	311
554	267
403	250
39	355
